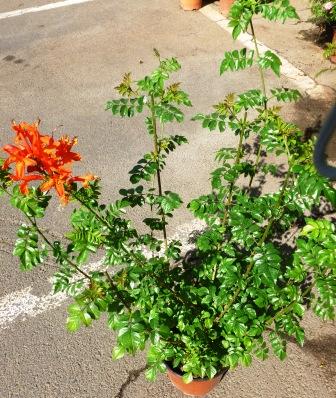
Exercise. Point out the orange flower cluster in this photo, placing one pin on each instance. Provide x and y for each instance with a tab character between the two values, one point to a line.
41	157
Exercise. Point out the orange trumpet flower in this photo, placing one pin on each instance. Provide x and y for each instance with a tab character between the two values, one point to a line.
41	157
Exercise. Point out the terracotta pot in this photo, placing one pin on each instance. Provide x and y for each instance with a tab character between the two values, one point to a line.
225	5
333	57
190	5
198	387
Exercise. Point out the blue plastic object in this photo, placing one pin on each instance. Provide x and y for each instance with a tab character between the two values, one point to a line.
326	133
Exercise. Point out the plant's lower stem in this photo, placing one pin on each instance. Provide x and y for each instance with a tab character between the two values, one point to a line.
91	210
228	201
158	173
261	72
256	166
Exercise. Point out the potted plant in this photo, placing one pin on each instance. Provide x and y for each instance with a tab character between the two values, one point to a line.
330	50
191	5
261	260
225	5
324	13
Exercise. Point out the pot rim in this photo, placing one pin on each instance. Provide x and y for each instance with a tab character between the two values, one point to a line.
178	372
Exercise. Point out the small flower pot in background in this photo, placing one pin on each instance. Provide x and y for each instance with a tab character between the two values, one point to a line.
225	5
190	5
198	387
333	57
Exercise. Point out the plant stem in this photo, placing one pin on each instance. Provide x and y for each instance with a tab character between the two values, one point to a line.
97	215
261	72
263	85
259	244
156	153
231	186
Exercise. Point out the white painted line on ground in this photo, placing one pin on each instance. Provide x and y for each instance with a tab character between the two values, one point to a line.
45	7
21	304
299	78
24	303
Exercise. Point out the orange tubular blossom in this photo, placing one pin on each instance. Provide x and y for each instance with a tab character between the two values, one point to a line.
41	157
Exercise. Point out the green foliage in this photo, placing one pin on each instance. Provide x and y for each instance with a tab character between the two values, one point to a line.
323	16
278	10
270	60
278	345
212	121
169	202
251	99
27	248
168	113
242	11
286	94
146	168
237	294
32	205
236	60
85	310
126	107
330	50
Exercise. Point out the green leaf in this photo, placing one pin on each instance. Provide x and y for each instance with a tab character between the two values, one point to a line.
73	323
33	204
151	373
126	107
118	352
211	372
240	16
246	359
170	202
270	60
300	336
168	113
187	377
131	337
278	345
251	99
86	318
299	309
146	168
27	248
286	94
155	224
212	121
277	10
236	60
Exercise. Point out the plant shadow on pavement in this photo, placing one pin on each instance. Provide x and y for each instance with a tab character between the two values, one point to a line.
309	113
323	348
207	2
317	35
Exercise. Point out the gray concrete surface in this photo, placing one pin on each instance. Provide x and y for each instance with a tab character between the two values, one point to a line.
61	65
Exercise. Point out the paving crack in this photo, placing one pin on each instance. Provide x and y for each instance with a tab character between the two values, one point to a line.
133	375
